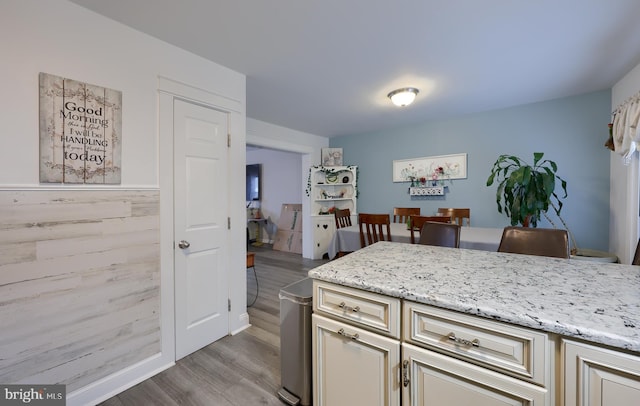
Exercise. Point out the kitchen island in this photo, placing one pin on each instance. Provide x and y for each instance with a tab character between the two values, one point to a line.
565	304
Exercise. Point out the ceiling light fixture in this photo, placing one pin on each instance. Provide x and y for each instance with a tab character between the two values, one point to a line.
403	97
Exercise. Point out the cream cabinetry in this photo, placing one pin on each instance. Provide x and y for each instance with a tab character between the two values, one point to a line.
598	376
353	366
323	229
356	347
430	378
330	188
372	349
518	352
378	313
449	358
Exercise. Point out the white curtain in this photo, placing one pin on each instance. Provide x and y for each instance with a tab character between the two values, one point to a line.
625	131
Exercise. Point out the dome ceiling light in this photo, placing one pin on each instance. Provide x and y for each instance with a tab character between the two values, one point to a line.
403	97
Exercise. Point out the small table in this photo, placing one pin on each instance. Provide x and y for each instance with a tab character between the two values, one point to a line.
260	223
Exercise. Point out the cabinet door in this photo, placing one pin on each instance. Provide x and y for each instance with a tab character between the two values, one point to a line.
596	376
353	366
433	379
323	229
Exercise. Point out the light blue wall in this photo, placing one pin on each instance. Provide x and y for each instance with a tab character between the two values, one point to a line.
570	131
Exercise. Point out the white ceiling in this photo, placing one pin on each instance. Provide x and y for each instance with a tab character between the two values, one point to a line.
325	67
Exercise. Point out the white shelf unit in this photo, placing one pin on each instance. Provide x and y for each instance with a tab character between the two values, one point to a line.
330	188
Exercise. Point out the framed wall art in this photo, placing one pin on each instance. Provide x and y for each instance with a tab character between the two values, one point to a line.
433	168
331	156
80	132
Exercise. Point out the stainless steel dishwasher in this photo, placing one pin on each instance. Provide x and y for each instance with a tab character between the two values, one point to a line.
296	302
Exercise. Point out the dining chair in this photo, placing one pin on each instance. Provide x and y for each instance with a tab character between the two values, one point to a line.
343	218
440	234
374	228
401	214
546	242
457	215
416	223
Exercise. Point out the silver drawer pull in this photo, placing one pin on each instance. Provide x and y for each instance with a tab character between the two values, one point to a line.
344	306
405	373
347	335
474	343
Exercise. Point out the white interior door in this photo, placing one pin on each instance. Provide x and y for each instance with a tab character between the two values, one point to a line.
201	247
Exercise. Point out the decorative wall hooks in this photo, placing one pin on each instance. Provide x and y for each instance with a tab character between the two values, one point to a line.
426	191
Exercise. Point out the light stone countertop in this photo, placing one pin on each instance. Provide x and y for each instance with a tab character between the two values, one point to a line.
593	301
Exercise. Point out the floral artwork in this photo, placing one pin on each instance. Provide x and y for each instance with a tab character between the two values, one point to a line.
331	156
430	171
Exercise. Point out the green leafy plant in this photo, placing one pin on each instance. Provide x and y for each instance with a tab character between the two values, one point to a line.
525	192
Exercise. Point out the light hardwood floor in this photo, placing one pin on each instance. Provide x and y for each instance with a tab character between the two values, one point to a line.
239	370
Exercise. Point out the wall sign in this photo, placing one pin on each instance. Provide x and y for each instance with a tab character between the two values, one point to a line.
80	132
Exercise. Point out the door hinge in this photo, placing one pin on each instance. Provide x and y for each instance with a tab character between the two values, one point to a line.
229	304
228	223
229	140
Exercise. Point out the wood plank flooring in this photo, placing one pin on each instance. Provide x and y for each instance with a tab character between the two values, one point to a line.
240	370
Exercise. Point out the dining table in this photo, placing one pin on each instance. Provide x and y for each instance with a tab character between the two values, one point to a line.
347	239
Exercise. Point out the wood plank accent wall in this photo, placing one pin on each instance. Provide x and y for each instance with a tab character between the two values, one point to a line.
79	284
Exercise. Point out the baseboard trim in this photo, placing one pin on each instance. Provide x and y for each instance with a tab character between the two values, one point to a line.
118	382
244	324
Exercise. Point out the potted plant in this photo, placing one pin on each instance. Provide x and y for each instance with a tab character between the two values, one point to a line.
525	191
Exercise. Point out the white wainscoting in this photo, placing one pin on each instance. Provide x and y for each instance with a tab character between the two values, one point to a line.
79	284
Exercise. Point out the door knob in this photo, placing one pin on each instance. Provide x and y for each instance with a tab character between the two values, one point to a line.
184	244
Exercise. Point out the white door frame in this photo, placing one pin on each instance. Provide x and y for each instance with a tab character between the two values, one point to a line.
168	90
307	154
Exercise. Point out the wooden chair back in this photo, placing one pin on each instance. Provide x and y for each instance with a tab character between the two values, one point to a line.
374	228
401	214
546	242
343	218
440	234
457	215
416	223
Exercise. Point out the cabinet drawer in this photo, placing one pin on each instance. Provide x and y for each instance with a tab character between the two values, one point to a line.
365	309
517	351
430	378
